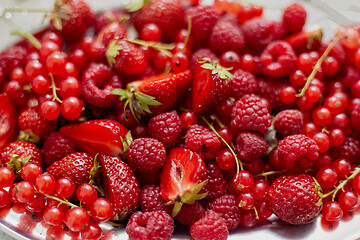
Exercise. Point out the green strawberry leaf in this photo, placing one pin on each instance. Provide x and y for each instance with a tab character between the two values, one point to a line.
216	68
112	52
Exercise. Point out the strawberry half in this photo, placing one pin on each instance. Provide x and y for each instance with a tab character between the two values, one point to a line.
182	178
210	86
98	136
154	94
120	186
8	126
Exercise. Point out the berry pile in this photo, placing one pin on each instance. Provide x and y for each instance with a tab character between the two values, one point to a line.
213	118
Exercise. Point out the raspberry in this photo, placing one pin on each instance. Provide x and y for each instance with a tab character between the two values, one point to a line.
56	146
297	152
146	155
354	112
202	141
210	227
203	19
97	83
294	17
200	54
350	150
228	209
295	198
251	145
225	37
250	113
288	122
12	57
150	198
270	89
150	225
258	33
190	213
278	59
217	183
165	127
243	83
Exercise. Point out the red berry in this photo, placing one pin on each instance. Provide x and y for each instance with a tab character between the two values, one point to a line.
54	216
45	183
65	187
37	204
101	210
7	177
86	193
56	63
24	191
76	219
242	181
225	160
150	32
91	232
327	178
179	62
30	171
5	199
321	116
50	110
348	200
332	211
71	108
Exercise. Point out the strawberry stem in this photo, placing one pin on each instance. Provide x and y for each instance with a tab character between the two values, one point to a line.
318	65
341	185
54	89
188	34
239	164
162	47
266	174
36	43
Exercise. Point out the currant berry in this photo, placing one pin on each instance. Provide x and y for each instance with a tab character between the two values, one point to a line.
56	63
259	189
50	110
188	119
230	59
48	48
86	193
225	160
5	199
65	187
288	95
348	200
322	140
7	177
40	84
45	183
151	32
342	167
179	62
76	219
30	171
101	210
332	211
37	204
91	232
246	201
24	191
71	108
321	116
327	178
53	216
242	181
69	87
356	183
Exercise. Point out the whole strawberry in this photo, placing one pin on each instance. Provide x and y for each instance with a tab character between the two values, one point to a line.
295	198
120	185
22	150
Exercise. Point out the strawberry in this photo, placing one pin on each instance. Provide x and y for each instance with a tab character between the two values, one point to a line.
295	199
75	166
8	126
305	41
182	178
154	94
120	186
210	86
167	14
106	17
71	18
16	154
111	31
98	136
34	126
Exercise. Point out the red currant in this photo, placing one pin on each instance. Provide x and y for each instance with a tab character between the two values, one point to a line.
327	178
50	110
225	160
332	211
65	187
101	210
45	183
76	219
151	32
56	63
86	193
30	171
7	177
71	108
54	216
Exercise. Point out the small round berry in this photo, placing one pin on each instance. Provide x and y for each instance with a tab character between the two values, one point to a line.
69	87
188	119
37	204
327	178
342	167
71	108
50	110
225	160
92	232
288	95
7	177
332	211
348	200
242	181
40	84
5	199
151	32
246	201
76	219
24	191
65	187
321	116
53	216
101	210
322	140
179	62
45	183
86	193
30	171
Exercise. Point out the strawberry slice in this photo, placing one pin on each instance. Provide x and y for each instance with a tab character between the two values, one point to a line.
98	136
8	126
120	186
154	94
182	178
210	85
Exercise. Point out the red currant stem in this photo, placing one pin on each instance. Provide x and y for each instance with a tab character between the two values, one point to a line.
219	121
324	130
167	68
115	224
124	18
265	174
66	202
256	213
341	185
162	47
318	65
31	38
26	10
188	34
54	89
239	164
27	87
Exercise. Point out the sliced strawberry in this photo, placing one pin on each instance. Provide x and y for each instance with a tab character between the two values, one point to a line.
182	177
120	186
210	85
97	136
155	94
8	126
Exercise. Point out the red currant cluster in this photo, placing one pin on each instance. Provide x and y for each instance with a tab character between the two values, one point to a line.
40	193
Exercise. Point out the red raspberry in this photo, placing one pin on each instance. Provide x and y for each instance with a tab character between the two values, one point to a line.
200	54
217	183
190	213
270	89
150	198
243	83
279	30
251	145
12	57
150	225
278	59
146	155
202	141
288	122
225	37
97	83
203	19
295	198
297	152
258	33
56	146
294	17
165	127
250	113
228	209
167	14
350	149
210	227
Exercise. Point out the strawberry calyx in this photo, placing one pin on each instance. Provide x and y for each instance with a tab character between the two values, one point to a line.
315	35
112	52
28	136
216	68
17	162
126	141
161	47
95	175
61	10
138	102
135	5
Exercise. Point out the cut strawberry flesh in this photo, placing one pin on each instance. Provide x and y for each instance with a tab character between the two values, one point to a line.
201	90
97	136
